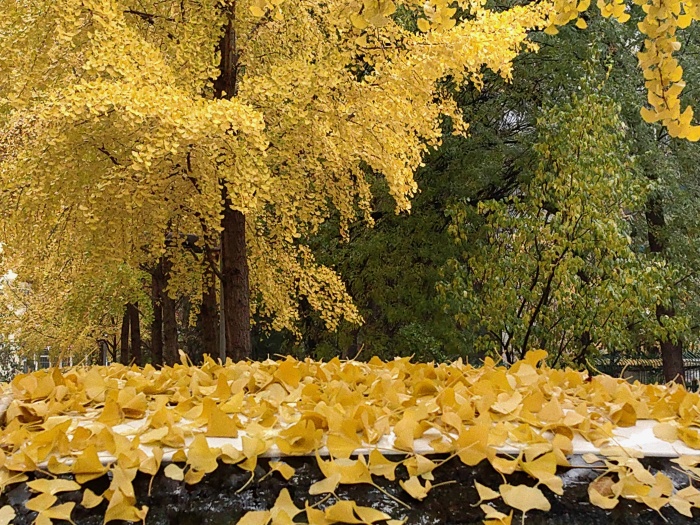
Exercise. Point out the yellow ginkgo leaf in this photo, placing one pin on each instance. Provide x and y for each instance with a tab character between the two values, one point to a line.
369	515
414	487
172	471
154	435
599	500
326	485
342	511
495	517
419	465
90	499
423	25
221	425
341	445
42	502
200	457
7	514
524	498
53	486
485	493
316	516
379	465
120	508
284	503
88	466
283	468
59	512
683	506
507	403
351	470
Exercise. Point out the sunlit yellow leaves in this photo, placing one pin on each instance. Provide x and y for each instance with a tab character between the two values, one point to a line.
472	444
53	486
155	435
122	507
379	465
661	71
283	468
423	25
524	498
485	493
349	512
90	499
88	466
172	471
59	512
495	517
133	404
350	471
200	457
414	487
551	412
284	509
507	403
41	502
255	517
601	493
326	485
7	514
94	385
341	406
690	437
221	425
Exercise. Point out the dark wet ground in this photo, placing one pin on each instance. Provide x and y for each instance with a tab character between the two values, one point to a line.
215	500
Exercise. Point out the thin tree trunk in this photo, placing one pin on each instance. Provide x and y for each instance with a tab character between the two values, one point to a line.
235	285
671	352
135	323
208	318
170	355
124	355
157	325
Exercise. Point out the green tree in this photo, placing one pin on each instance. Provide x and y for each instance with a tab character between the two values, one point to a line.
552	265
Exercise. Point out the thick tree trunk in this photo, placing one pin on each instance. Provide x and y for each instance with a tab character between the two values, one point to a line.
135	326
157	325
234	267
208	318
236	287
671	352
170	355
124	341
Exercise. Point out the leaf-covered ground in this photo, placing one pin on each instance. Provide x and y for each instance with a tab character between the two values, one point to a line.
362	421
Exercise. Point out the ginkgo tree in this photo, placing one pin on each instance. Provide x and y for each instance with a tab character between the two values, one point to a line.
247	123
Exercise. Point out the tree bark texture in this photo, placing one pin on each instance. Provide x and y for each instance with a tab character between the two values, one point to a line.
236	286
135	327
124	339
170	356
208	318
157	325
671	352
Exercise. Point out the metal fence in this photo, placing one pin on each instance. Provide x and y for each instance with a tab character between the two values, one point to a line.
649	370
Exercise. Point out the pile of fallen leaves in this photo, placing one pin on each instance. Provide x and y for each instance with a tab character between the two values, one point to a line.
65	428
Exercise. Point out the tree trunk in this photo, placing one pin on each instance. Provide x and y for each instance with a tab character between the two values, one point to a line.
124	356
135	323
208	318
170	355
236	287
157	325
671	352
